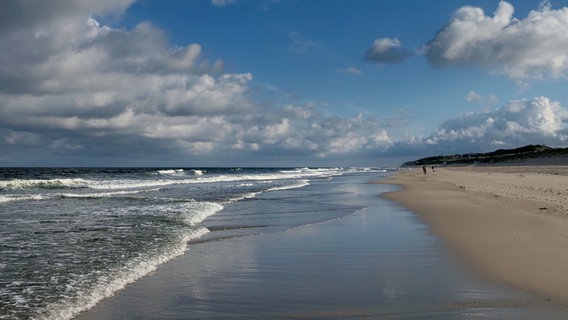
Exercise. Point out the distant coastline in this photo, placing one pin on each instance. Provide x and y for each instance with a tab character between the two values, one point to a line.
501	156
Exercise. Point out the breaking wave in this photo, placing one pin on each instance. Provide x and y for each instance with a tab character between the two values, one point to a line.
18	184
107	285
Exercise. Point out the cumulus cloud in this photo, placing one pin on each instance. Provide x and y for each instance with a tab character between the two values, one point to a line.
529	48
387	51
520	122
74	88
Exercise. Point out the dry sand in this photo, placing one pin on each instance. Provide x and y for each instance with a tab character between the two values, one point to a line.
509	222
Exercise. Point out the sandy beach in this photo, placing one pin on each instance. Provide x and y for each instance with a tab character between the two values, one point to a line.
509	222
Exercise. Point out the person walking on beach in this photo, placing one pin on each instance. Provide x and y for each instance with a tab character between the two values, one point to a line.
424	169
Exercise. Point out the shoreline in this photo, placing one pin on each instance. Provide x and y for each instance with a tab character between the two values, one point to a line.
509	222
369	264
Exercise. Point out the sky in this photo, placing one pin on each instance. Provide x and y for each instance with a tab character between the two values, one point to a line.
234	83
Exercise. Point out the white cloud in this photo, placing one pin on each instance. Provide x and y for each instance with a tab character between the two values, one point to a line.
87	90
520	122
474	97
387	51
529	48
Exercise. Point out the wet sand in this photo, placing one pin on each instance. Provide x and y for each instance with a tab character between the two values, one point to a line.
379	263
509	222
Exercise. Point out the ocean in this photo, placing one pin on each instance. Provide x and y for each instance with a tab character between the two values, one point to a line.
70	237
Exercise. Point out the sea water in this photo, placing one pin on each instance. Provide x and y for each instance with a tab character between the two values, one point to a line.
70	237
332	249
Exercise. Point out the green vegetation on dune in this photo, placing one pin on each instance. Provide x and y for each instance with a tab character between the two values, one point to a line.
497	156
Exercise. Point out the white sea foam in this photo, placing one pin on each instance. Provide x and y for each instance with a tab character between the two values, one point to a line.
367	169
299	184
251	177
200	211
245	185
249	195
140	184
171	172
314	171
181	172
37	197
105	194
176	178
198	172
17	197
332	171
108	285
129	184
19	184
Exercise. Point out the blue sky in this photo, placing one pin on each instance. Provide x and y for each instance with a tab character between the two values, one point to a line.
278	83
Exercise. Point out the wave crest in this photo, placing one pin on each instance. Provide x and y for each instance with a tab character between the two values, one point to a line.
19	184
108	285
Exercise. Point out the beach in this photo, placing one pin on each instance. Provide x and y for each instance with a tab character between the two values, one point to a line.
509	222
377	261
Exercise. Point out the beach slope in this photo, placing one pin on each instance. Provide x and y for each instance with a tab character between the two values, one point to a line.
509	222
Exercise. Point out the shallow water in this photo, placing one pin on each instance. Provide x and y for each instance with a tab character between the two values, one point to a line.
370	259
70	237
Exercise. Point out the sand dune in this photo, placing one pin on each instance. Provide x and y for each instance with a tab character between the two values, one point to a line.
509	222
